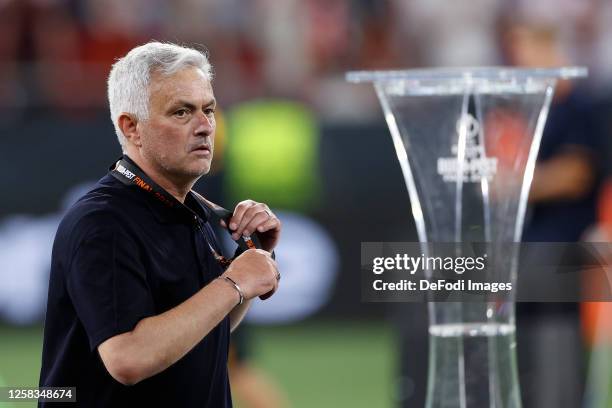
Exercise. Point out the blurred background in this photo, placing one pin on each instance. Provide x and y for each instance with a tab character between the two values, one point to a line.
294	134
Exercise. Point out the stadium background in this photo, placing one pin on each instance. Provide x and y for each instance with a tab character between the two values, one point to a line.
330	166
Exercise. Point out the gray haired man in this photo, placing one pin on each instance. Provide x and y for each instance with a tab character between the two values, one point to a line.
141	301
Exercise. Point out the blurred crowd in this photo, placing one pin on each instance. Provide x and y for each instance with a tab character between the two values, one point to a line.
57	53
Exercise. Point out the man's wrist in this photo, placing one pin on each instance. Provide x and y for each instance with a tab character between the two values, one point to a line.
235	285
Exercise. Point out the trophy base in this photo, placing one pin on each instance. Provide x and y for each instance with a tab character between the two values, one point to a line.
460	353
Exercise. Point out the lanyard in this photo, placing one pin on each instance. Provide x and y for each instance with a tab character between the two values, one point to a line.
130	174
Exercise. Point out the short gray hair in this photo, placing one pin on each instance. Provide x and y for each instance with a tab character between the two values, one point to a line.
129	79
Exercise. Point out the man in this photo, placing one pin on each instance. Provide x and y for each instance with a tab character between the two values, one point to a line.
141	303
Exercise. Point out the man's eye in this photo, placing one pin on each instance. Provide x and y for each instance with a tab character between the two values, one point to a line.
209	111
181	113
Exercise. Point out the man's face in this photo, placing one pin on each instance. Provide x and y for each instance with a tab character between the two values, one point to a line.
178	137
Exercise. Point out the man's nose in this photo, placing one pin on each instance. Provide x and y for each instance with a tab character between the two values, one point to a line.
206	124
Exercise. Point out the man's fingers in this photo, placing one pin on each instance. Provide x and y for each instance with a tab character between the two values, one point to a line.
258	220
239	211
251	216
274	286
259	211
271	224
261	252
273	280
277	274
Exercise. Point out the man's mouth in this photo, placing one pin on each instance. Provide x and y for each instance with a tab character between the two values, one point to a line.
202	148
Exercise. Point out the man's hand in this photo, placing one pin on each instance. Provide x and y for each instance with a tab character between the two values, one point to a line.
249	217
131	357
255	272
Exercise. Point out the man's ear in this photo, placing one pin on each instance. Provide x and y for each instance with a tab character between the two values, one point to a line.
128	125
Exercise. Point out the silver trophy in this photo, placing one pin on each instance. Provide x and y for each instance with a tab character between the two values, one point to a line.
467	141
